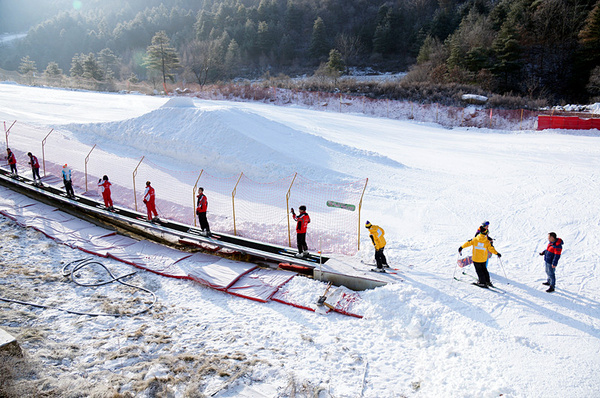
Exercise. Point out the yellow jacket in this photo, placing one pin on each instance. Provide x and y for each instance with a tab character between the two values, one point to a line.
481	246
376	233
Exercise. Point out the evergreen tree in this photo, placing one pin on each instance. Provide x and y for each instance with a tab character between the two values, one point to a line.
508	54
232	58
107	60
589	36
76	66
52	70
318	41
161	57
335	63
91	68
27	66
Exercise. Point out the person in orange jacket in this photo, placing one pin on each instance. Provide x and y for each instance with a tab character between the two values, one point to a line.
481	246
376	233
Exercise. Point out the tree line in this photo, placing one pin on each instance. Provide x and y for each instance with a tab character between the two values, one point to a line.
532	48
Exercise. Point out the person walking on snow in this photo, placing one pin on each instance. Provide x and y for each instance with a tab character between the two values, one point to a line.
201	208
35	169
12	161
302	221
66	173
551	257
481	246
149	201
376	233
104	185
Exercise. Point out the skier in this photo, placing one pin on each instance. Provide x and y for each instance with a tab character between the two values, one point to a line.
12	162
149	201
66	173
376	233
104	184
481	246
35	169
302	221
201	209
551	257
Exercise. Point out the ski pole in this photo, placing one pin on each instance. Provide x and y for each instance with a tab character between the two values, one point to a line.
455	267
503	270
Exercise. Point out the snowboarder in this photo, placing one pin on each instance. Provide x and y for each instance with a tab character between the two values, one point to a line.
376	233
485	227
35	169
302	221
481	246
12	161
149	201
551	257
66	173
201	208
104	185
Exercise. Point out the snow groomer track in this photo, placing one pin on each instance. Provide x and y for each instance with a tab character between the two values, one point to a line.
82	223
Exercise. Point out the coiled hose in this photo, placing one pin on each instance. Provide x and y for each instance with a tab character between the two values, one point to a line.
69	271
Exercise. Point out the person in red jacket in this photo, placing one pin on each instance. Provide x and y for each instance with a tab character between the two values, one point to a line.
104	185
35	169
551	257
12	161
201	209
302	221
149	201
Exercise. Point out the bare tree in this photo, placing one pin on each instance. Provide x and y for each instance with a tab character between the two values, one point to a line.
197	60
349	47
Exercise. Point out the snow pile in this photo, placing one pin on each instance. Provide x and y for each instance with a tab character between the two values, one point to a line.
179	102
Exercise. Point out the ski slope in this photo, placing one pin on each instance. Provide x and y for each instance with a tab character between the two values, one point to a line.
429	188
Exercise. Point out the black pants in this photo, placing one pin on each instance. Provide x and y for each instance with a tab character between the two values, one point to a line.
482	273
13	168
36	172
380	258
69	188
203	221
301	240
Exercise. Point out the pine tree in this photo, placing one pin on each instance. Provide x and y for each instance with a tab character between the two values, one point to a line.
232	58
52	70
76	66
335	63
91	68
27	66
107	60
161	57
508	53
318	42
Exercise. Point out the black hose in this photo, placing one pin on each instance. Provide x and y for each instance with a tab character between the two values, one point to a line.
78	265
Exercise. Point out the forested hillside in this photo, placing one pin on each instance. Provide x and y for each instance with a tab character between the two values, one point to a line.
534	48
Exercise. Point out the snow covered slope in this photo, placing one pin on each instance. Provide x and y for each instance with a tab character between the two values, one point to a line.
429	188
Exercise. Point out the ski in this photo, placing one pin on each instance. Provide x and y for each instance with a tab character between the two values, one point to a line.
491	288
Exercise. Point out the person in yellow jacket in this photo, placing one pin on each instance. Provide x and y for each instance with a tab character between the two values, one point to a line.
481	245
376	233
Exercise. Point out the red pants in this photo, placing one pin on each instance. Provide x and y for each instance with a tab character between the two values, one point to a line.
107	199
151	207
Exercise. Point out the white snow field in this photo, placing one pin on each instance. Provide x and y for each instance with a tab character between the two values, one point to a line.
429	188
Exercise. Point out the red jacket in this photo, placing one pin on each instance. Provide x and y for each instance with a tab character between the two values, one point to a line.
34	163
105	184
303	219
12	159
202	204
149	195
